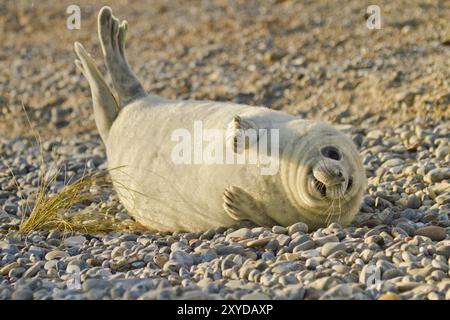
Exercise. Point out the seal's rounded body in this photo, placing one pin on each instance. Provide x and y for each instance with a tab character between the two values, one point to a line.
318	176
167	195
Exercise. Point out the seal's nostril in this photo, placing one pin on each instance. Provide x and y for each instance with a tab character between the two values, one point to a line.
331	152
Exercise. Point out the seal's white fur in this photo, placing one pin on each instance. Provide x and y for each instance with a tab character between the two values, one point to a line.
165	196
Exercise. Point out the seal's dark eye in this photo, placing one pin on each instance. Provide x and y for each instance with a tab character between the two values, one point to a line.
331	152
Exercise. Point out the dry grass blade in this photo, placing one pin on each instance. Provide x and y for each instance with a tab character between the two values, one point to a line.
51	211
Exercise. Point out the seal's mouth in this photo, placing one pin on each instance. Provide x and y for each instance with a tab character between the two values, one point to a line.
322	188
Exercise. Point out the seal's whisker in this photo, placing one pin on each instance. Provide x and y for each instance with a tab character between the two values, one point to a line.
329	213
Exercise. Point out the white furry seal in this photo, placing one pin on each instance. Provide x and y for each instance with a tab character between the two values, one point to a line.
320	178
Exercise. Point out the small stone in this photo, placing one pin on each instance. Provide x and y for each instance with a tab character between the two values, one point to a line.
389	296
309	244
443	199
312	263
447	295
56	254
423	272
370	223
331	247
279	230
322	240
437	175
51	264
6	269
22	294
255	296
435	233
36	251
374	134
259	242
444	250
16	272
325	283
243	233
413	202
182	257
391	273
273	245
74	241
160	260
34	269
442	151
8	248
91	284
229	249
298	227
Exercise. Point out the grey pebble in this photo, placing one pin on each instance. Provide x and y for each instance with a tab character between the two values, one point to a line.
331	247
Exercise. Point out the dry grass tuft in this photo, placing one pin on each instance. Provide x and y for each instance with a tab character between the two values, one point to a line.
57	211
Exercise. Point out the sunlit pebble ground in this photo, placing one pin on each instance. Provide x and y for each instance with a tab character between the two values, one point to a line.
391	97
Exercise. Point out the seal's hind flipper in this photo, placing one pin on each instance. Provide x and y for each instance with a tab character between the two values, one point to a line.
240	205
112	38
241	134
105	105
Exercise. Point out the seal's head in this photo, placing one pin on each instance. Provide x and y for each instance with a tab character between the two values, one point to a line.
322	174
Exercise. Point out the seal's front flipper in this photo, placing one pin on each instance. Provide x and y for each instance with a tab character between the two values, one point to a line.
240	205
105	105
112	34
242	133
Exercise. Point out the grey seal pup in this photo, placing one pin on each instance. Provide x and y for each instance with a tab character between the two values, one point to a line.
316	177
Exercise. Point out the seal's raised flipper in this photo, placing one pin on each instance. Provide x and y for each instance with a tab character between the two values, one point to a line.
240	205
105	105
112	38
241	133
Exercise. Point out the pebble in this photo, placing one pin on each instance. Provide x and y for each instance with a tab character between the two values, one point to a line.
435	233
74	241
96	284
437	175
298	227
22	294
389	296
243	233
279	230
7	268
16	272
255	296
34	269
182	258
331	247
442	250
310	244
56	254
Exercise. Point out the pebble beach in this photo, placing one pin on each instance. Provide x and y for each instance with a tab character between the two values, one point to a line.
388	89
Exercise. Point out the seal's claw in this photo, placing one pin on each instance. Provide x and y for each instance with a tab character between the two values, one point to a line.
123	28
240	205
236	134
